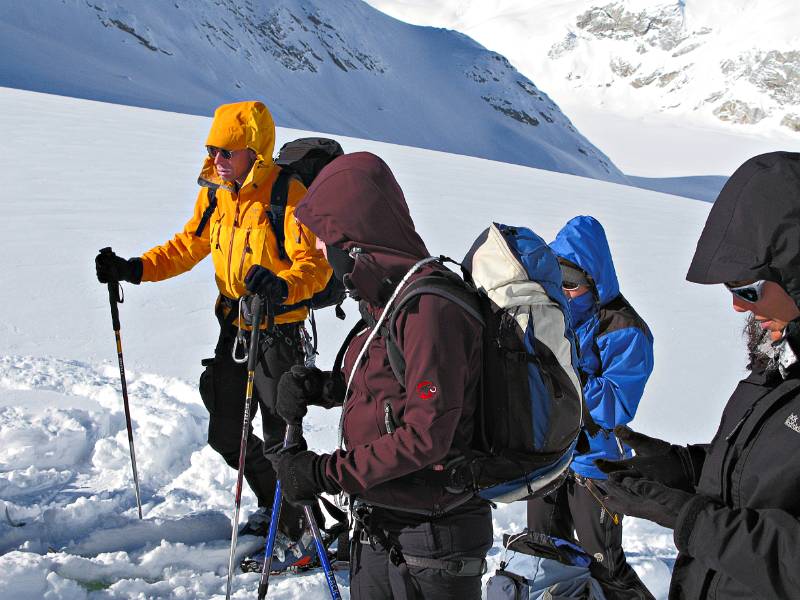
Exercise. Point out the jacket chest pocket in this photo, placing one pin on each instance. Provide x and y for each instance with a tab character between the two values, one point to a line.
216	240
767	473
258	254
357	427
246	251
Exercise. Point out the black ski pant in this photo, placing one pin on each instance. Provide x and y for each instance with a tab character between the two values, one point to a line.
223	387
463	533
573	509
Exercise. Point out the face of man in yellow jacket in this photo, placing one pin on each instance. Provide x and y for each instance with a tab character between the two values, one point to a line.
232	165
237	232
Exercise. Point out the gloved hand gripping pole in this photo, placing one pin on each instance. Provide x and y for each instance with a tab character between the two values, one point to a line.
115	297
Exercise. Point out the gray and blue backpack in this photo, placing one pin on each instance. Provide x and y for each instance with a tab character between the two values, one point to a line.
531	408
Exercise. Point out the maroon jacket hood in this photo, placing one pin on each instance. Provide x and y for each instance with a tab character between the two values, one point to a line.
355	202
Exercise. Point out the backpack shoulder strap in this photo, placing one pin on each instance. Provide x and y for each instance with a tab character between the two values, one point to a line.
212	206
277	209
357	328
445	284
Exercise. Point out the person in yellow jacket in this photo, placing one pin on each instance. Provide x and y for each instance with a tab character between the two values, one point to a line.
231	222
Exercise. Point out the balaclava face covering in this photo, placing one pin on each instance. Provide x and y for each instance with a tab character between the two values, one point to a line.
581	307
340	261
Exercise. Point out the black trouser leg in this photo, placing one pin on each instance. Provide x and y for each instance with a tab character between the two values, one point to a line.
223	386
465	532
550	514
573	508
601	538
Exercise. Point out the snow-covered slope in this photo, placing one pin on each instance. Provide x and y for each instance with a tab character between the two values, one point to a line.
125	176
343	68
735	61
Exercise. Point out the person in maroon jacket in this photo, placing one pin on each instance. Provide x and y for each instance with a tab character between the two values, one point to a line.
414	538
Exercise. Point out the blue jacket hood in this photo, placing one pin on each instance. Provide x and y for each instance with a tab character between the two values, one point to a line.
583	241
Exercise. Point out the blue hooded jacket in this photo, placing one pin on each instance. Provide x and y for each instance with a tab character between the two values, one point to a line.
616	346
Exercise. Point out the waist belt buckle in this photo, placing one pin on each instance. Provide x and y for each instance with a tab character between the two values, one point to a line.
470	568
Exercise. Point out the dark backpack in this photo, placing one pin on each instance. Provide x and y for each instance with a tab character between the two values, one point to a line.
304	158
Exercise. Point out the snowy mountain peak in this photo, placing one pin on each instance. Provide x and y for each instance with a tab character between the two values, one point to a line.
343	68
749	85
726	62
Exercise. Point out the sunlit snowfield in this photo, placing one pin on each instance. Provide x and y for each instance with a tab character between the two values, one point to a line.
82	175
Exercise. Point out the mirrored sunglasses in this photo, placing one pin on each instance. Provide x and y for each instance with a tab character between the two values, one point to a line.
570	286
213	151
750	292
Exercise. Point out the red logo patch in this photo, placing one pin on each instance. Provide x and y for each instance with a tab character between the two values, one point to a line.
426	390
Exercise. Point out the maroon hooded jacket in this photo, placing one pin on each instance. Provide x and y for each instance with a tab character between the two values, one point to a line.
355	202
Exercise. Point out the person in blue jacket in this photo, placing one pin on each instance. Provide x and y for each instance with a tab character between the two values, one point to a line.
615	361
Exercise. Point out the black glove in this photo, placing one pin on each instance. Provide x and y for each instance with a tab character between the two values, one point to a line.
297	389
670	464
260	280
111	267
302	386
631	494
302	476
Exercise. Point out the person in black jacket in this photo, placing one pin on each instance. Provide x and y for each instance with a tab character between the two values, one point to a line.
734	505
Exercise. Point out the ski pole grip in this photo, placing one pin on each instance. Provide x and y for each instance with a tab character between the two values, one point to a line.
256	310
113	294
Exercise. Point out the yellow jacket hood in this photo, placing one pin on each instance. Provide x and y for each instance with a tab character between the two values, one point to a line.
238	126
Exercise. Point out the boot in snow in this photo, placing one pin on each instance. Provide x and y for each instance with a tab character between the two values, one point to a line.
257	523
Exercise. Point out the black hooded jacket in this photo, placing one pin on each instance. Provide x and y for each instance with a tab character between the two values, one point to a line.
740	536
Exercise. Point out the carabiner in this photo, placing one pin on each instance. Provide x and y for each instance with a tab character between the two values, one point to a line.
239	339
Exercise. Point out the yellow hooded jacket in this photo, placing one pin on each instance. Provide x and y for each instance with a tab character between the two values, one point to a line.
238	234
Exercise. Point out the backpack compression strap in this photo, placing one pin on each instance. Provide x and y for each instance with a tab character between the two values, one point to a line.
212	206
277	209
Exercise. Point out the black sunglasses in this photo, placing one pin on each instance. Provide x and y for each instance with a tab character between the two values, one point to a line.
570	286
213	151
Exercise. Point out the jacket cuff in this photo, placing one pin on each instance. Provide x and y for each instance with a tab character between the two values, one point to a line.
137	268
685	523
325	483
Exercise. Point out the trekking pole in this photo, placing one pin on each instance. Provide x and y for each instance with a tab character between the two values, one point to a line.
330	579
115	297
292	433
252	360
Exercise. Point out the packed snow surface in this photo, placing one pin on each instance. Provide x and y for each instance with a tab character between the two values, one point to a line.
84	175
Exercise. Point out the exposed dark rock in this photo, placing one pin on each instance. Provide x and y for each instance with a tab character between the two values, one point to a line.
507	109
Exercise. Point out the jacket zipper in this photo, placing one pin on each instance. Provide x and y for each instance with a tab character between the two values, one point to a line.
245	251
388	418
230	245
219	229
738	425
